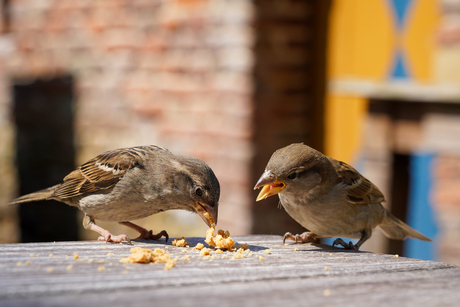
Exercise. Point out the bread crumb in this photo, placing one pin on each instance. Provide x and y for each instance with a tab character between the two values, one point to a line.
90	260
110	255
237	256
31	255
326	268
125	272
101	269
69	267
221	240
106	247
296	249
28	262
330	254
185	251
261	258
100	261
199	246
18	264
219	251
182	242
205	251
209	218
75	255
243	246
396	256
267	251
224	256
50	255
186	257
327	292
143	255
285	244
49	270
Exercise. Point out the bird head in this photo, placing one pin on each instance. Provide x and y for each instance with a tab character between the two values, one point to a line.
292	168
204	189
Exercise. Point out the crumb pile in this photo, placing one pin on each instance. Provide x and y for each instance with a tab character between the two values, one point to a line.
182	242
143	255
221	240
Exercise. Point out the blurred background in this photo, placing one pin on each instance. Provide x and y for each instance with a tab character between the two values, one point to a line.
375	83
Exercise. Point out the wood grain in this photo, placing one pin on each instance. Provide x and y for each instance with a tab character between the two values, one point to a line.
313	275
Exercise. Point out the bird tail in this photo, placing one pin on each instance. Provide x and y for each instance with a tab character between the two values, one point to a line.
44	194
394	228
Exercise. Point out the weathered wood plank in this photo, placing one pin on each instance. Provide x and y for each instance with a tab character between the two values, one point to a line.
315	274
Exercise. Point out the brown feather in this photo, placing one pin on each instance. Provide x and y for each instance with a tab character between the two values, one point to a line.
99	173
360	190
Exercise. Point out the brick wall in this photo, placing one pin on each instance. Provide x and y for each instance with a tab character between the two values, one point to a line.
226	81
174	73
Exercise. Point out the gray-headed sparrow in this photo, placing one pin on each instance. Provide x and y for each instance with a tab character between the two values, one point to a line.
328	197
132	183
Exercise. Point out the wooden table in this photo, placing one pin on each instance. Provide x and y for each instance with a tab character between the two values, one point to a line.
45	274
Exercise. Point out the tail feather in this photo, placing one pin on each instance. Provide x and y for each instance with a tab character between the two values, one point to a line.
44	194
394	228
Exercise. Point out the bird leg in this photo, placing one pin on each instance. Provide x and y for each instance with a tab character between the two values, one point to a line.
307	236
88	223
349	245
146	234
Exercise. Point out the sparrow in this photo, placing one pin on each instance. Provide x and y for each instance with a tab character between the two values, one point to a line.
328	197
132	183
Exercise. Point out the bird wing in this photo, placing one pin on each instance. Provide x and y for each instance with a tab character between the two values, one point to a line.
360	189
101	172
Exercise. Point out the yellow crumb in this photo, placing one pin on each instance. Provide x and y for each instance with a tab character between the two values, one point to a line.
209	218
221	240
327	292
224	256
199	246
182	242
49	270
106	247
185	251
110	255
285	244
19	264
296	249
67	257
100	261
101	269
31	255
90	260
261	258
125	272
237	256
243	246
205	251
75	255
143	255
267	251
28	262
330	254
186	257
86	257
56	257
50	255
219	251
326	268
69	267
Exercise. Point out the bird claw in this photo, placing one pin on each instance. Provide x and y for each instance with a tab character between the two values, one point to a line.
148	235
115	239
345	245
302	238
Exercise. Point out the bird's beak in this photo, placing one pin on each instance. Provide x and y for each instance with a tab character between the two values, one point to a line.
271	185
207	213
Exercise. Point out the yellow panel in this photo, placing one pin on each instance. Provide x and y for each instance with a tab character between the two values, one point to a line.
419	38
344	123
361	39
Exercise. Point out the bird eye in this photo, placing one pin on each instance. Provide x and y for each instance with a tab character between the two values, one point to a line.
292	176
199	192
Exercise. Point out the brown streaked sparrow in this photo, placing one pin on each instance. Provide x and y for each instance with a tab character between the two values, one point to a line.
132	183
328	197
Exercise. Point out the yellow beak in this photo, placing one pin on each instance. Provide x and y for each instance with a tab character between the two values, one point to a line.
270	186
